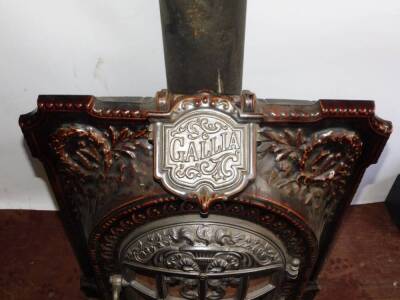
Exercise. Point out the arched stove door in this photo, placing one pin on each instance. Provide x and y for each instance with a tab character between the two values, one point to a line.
189	257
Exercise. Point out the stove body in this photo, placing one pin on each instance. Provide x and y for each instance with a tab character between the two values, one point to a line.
203	191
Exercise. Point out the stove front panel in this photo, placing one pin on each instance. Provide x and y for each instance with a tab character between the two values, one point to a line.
274	174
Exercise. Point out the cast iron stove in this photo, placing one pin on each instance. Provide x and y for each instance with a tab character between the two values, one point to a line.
203	191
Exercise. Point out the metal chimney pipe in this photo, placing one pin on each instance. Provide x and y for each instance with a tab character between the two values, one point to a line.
203	45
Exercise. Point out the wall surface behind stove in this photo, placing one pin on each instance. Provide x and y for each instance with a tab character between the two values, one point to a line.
306	49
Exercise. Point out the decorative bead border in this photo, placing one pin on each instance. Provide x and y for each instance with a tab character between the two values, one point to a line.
266	112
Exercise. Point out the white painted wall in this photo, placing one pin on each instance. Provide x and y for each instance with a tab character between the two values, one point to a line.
307	49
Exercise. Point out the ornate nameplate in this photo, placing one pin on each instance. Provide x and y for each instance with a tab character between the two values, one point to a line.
205	152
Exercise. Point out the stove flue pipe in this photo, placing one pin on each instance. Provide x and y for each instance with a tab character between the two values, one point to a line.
203	45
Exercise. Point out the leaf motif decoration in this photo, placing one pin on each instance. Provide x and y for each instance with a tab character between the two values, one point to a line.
312	168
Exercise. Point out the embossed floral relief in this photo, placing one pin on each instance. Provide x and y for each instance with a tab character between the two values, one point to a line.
216	237
311	168
98	165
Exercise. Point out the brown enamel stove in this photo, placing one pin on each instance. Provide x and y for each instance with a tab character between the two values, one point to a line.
202	195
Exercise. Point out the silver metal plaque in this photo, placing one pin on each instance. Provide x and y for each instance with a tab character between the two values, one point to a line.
204	152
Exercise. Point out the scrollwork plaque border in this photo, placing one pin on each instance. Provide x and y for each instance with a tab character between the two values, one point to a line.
220	149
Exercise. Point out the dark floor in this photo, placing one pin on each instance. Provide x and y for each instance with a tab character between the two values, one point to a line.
36	261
